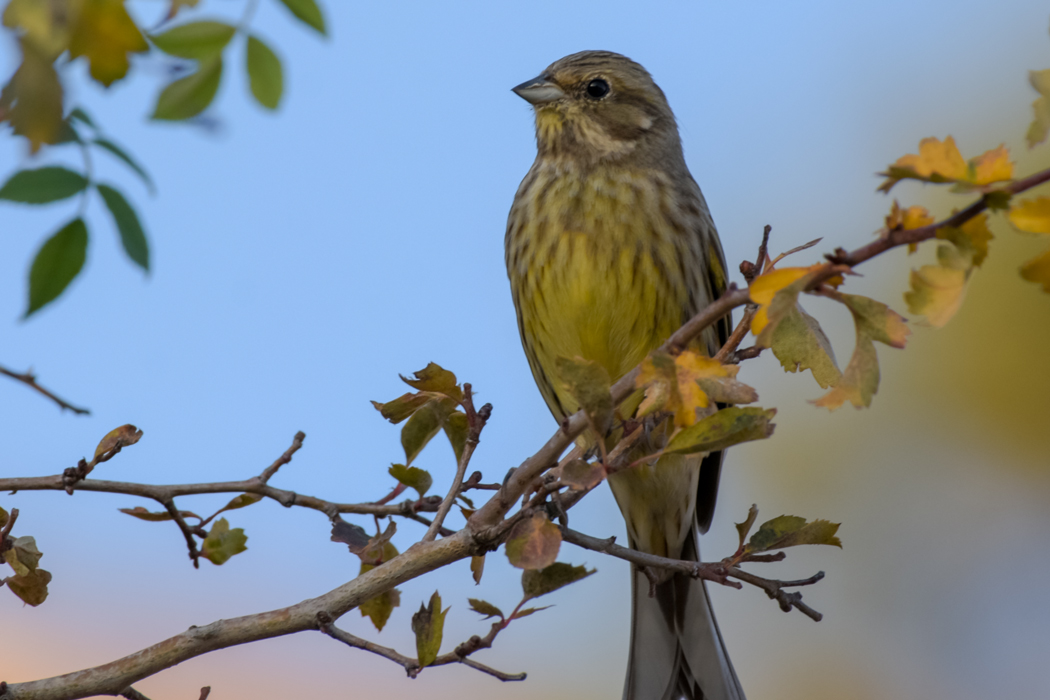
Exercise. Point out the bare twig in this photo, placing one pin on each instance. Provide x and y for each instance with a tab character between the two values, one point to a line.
411	666
775	590
205	692
475	424
29	379
713	571
297	443
187	531
132	694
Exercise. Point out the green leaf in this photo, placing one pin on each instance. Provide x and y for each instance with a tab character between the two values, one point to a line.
421	428
455	426
526	612
123	155
727	427
418	479
378	608
43	185
67	133
151	517
57	263
187	97
533	542
800	344
264	73
241	501
80	115
131	233
588	382
223	543
197	40
32	589
477	568
36	93
558	575
309	13
402	407
484	608
23	556
429	624
791	531
745	527
436	379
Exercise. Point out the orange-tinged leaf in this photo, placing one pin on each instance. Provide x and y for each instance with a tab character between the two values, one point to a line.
1038	270
117	438
1031	215
936	293
991	166
907	219
429	624
658	377
936	161
533	542
776	293
105	34
674	385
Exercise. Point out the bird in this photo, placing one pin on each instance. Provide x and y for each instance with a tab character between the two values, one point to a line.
610	247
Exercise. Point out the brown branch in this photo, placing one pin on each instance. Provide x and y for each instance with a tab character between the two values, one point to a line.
475	424
29	379
297	443
712	571
411	666
132	694
775	590
187	531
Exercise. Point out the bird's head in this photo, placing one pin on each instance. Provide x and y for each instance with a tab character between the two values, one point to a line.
598	106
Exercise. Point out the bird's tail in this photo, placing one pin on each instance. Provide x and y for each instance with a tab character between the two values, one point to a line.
677	652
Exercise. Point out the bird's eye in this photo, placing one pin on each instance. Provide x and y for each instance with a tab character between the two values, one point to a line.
597	89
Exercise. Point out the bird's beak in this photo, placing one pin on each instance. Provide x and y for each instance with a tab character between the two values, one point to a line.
540	90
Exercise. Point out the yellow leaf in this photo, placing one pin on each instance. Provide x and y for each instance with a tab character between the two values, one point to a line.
991	166
105	34
1038	270
1031	215
971	239
44	25
907	219
672	384
936	292
937	161
763	291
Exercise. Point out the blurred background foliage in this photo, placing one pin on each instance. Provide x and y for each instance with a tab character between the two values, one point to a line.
299	264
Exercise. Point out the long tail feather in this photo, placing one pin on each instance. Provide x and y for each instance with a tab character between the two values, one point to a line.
677	652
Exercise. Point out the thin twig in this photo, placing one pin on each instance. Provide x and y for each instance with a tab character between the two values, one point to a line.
475	424
132	694
205	692
187	532
297	443
713	571
11	518
411	666
29	379
775	590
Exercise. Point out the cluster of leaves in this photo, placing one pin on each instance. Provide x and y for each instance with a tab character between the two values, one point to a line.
437	404
29	581
55	33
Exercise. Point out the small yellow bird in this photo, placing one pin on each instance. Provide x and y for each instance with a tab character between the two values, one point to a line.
610	247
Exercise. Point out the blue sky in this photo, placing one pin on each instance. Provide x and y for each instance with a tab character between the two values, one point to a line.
302	260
